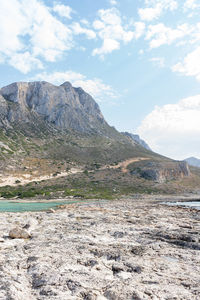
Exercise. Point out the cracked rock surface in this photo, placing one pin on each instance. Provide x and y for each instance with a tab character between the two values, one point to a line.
125	249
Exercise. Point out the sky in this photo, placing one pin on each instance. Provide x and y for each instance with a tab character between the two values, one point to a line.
139	59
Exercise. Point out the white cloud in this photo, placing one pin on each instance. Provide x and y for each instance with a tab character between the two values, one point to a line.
48	36
150	13
160	34
85	22
155	8
113	2
109	45
78	29
12	24
139	29
158	61
95	87
111	31
63	10
190	65
25	62
191	4
28	28
174	129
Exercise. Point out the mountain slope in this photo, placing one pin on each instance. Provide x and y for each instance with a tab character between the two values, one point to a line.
41	120
46	128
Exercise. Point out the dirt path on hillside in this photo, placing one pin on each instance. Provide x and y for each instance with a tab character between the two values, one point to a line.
26	178
124	164
22	179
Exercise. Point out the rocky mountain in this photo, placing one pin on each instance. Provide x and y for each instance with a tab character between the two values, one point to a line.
136	138
48	127
44	121
62	106
193	161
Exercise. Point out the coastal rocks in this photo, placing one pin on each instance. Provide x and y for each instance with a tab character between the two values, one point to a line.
19	233
67	258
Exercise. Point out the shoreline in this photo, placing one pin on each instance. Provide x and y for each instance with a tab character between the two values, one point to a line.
133	248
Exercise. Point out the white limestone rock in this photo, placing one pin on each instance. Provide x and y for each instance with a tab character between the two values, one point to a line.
19	233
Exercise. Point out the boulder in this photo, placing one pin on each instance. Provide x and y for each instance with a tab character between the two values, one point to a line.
19	233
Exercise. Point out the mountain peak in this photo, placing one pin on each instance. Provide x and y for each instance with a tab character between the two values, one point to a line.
67	85
63	106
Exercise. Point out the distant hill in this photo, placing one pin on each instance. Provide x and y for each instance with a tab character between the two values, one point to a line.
137	139
193	161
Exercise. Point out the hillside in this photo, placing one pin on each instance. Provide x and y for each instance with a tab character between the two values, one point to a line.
46	130
45	121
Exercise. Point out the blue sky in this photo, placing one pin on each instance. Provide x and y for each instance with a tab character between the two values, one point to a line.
140	60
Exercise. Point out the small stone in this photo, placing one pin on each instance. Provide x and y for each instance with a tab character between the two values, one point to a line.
38	282
73	285
110	295
116	268
19	233
113	256
131	268
118	234
135	296
88	296
91	263
138	250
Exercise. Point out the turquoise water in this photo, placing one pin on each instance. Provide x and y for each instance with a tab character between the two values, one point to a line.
13	206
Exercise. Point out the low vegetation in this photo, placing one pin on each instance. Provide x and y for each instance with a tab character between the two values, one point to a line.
98	184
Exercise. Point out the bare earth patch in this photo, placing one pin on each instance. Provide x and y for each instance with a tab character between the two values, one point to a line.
124	164
22	179
26	177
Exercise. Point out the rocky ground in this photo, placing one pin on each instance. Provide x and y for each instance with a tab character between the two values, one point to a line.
116	250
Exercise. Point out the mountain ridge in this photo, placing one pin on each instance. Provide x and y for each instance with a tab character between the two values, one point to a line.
137	139
63	106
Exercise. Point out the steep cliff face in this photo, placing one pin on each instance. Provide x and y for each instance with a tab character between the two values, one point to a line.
163	171
63	106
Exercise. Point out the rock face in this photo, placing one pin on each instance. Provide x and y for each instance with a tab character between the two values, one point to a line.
193	161
162	172
63	106
136	138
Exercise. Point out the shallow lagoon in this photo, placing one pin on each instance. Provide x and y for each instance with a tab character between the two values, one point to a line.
17	206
